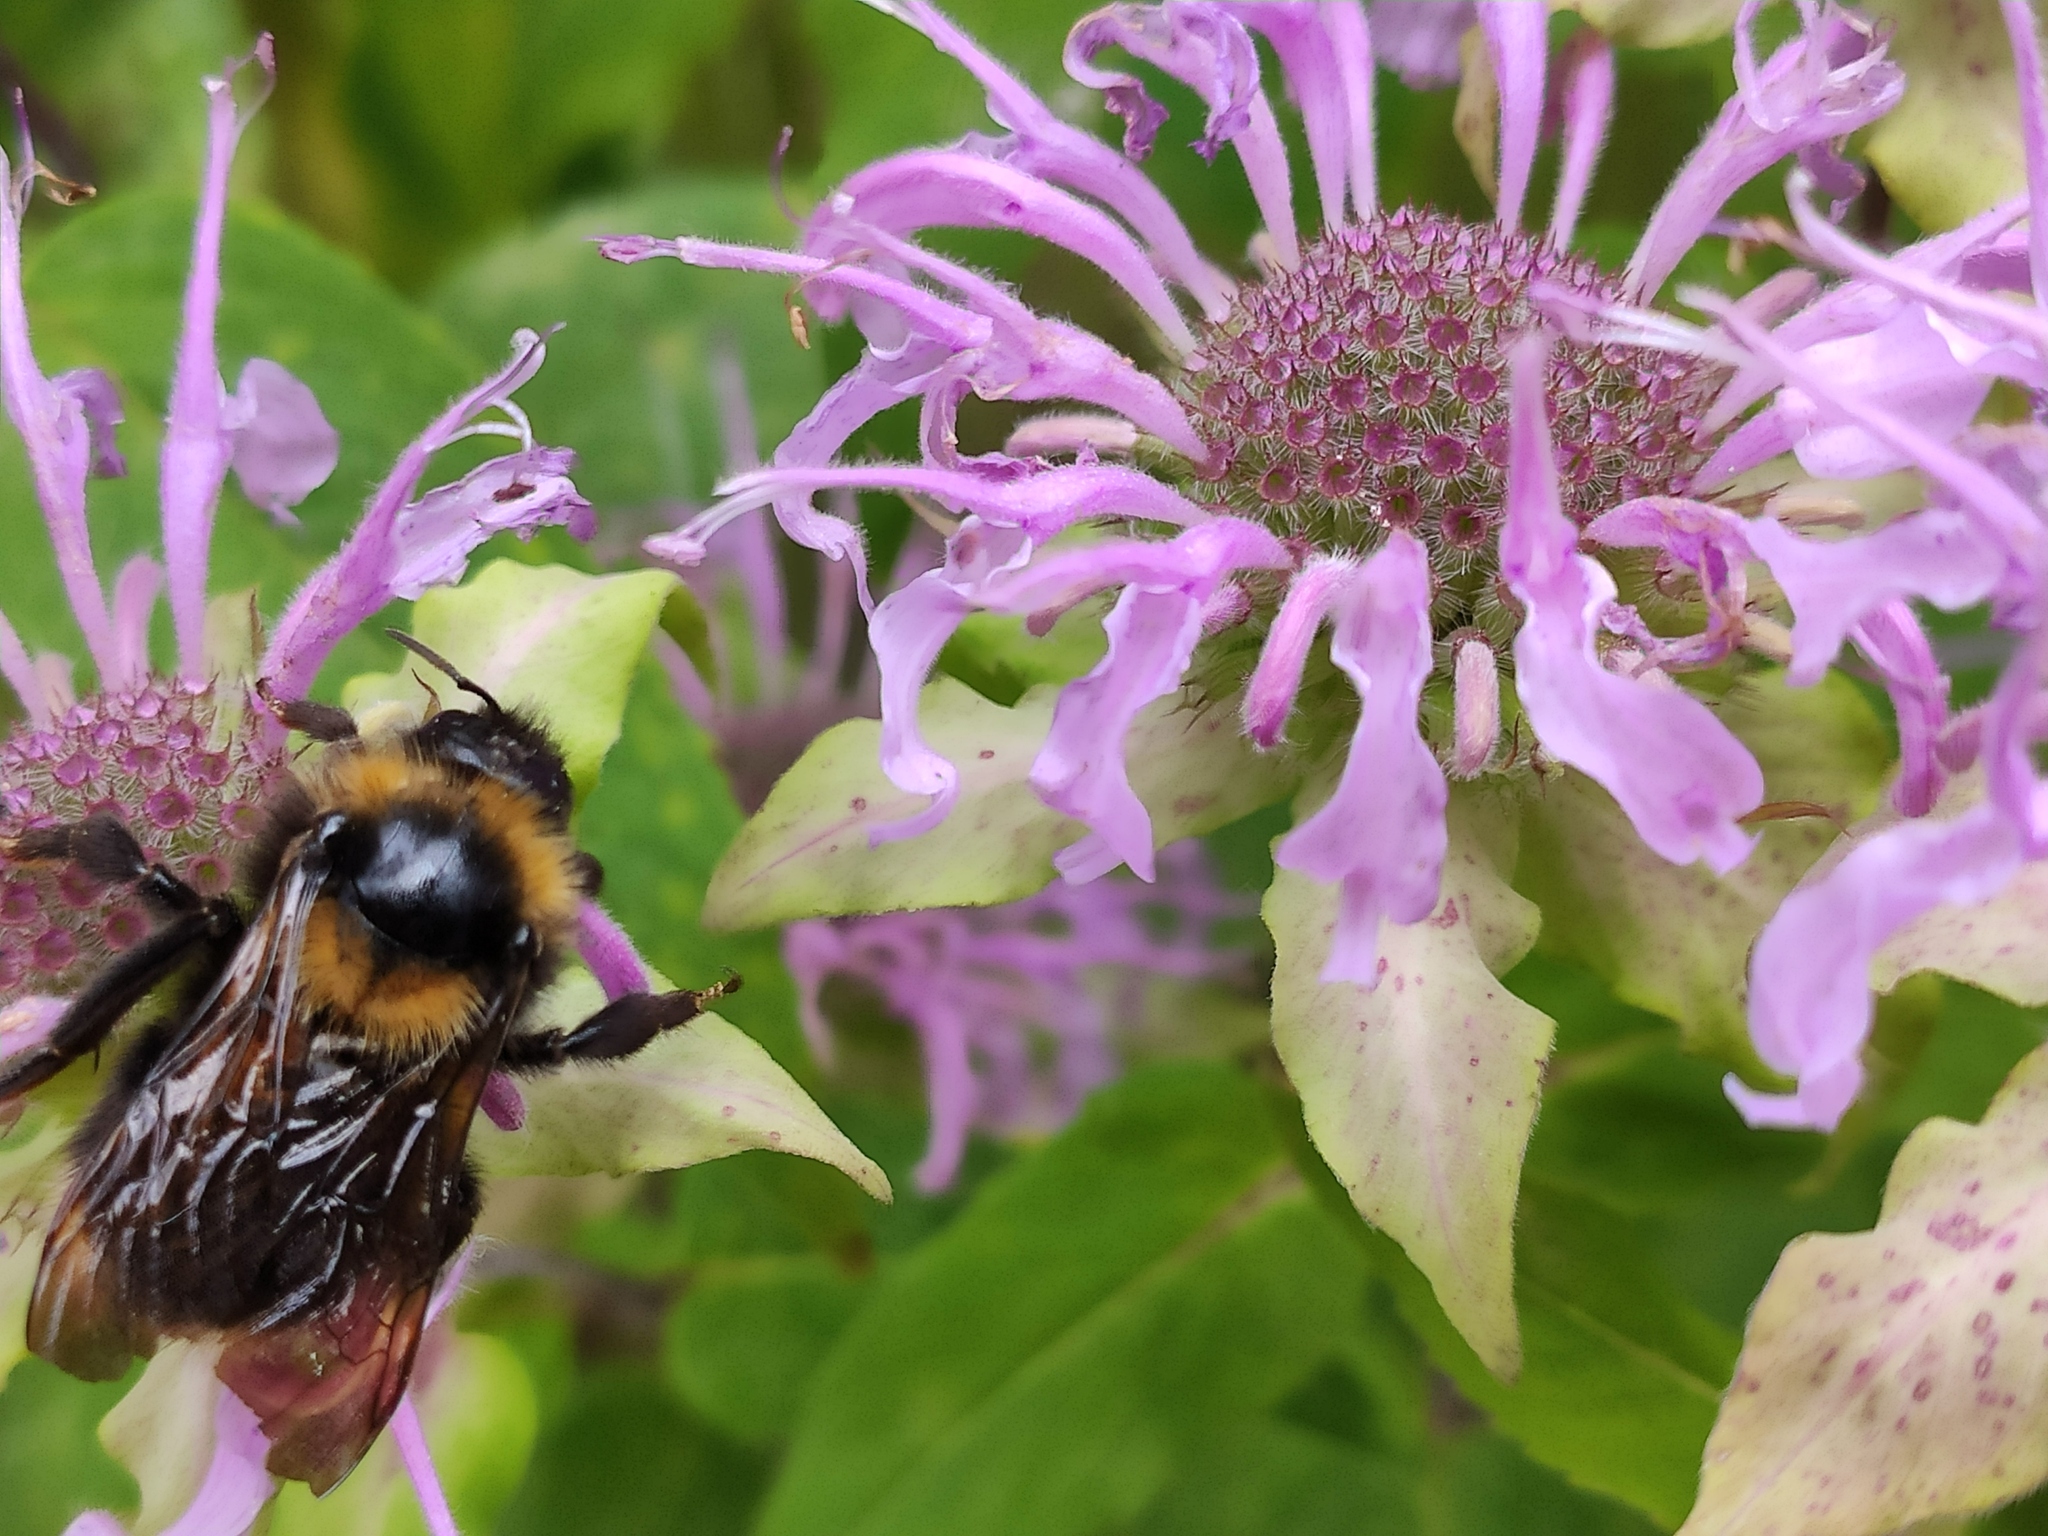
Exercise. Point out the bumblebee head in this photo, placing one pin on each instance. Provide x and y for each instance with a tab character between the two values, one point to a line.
495	742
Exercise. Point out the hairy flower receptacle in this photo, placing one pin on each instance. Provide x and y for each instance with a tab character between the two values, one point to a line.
182	775
1365	391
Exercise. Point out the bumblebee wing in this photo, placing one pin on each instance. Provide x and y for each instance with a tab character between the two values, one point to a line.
374	1200
154	1147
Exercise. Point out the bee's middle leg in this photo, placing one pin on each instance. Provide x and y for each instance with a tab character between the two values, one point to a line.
618	1029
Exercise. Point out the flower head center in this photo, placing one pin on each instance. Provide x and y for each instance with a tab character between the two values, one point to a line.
184	777
1367	390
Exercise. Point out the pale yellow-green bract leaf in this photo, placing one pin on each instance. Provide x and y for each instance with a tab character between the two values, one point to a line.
1657	23
31	1173
703	1091
1420	1092
2000	944
1901	1374
1675	939
1952	147
555	641
162	1431
480	1414
805	853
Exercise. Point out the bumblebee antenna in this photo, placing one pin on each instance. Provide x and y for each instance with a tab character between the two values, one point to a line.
435	659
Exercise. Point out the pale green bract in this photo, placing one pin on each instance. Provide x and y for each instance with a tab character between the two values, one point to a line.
806	852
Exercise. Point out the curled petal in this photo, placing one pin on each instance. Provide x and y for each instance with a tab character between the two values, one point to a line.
1712	542
1819	87
1081	770
1939	555
100	402
1326	51
404	542
231	1495
519	493
1380	836
1269	695
283	447
1677	772
1809	987
1898	648
1209	51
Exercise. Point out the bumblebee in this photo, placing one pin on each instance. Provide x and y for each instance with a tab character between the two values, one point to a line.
277	1164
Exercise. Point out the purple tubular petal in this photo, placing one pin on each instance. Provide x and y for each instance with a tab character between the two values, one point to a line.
399	538
236	1486
1819	87
1380	836
1904	366
197	441
1327	55
22	676
1418	39
1269	694
1809	986
1081	770
1209	51
1588	109
283	447
135	590
518	493
2003	512
907	631
1475	707
953	189
1040	503
2022	28
1352	38
55	428
1682	779
1042	145
1938	555
1515	37
608	953
1713	542
1891	638
101	402
419	1466
2013	726
502	1103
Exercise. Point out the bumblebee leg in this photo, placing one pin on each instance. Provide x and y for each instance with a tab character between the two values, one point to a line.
618	1029
106	850
106	999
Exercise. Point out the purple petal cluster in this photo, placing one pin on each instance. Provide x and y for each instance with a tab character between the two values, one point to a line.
1362	431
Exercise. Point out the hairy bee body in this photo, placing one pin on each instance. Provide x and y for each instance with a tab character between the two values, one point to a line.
278	1164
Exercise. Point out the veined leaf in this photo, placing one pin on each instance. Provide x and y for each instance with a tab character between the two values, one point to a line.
1952	147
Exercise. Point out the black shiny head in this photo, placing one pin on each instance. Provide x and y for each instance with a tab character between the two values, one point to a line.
495	742
430	883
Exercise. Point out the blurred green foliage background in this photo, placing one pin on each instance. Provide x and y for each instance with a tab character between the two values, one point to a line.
1167	1320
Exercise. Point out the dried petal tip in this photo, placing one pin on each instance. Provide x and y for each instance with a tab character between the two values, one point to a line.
1475	706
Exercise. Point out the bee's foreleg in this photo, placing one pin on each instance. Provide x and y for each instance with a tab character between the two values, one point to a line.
618	1029
106	850
106	999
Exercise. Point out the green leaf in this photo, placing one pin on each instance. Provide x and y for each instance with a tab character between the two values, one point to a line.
1896	1375
104	291
1675	939
1952	147
32	1169
1419	1092
50	1463
997	656
696	1093
1620	1374
1658	23
1101	1309
162	1431
630	380
477	1405
745	1340
1271	1479
555	641
806	853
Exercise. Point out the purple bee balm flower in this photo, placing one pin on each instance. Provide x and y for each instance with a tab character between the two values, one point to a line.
981	987
1981	536
187	759
1017	1008
1344	435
